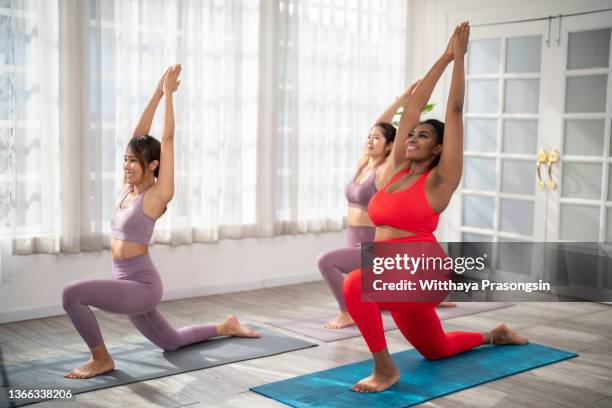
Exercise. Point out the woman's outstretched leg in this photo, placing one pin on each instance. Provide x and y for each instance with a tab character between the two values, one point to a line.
424	331
156	328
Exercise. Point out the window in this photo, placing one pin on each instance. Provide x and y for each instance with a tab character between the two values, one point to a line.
338	64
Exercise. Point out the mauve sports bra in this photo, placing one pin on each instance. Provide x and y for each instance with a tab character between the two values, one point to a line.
359	195
407	209
131	223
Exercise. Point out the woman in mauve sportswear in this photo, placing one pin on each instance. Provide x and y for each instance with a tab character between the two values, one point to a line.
136	289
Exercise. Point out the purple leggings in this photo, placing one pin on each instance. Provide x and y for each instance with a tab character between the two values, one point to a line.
135	291
337	263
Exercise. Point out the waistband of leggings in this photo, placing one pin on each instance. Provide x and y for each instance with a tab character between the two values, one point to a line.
360	228
140	260
413	238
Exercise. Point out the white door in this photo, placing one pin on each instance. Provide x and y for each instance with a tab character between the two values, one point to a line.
580	207
499	199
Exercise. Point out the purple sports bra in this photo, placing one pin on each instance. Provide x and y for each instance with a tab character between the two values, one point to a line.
131	223
359	195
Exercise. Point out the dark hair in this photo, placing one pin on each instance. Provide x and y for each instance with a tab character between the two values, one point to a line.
146	149
388	131
439	131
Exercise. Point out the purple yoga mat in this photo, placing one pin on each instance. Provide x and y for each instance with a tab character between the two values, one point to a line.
312	325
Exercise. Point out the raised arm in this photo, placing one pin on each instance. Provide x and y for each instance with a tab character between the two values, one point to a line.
415	104
163	191
450	167
389	113
144	124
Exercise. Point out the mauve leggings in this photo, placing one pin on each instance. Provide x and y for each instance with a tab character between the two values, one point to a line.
135	291
339	262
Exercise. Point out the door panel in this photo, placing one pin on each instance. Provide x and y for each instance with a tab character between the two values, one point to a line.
578	210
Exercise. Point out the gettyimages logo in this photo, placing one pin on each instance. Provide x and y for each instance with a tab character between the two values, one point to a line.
413	264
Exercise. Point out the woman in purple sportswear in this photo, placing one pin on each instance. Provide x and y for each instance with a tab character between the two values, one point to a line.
137	287
372	170
364	184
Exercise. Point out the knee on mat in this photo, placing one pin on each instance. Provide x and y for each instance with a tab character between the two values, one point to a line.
168	347
168	343
435	354
162	343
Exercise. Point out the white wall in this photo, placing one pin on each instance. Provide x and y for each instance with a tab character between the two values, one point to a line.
187	271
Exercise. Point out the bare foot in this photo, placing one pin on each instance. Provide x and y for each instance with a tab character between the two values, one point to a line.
447	304
502	334
232	327
380	380
92	368
341	321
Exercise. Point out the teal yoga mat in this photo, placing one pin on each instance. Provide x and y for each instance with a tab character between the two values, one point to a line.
421	380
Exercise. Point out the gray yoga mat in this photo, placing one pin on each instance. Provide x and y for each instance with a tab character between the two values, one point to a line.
312	325
144	361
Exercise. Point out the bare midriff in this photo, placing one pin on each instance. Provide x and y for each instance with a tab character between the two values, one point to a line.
385	233
127	249
358	217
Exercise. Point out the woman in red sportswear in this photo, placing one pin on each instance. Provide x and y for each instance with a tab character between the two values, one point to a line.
424	173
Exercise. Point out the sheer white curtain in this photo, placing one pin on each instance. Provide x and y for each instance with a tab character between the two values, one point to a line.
30	217
85	71
131	43
341	63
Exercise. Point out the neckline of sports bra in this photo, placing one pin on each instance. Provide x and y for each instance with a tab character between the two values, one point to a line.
131	203
406	188
372	173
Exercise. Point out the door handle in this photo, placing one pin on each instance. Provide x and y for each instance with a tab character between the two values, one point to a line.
542	159
553	158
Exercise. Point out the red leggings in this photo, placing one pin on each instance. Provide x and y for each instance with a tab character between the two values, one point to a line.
418	322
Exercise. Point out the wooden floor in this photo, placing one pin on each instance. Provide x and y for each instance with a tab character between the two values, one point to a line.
585	328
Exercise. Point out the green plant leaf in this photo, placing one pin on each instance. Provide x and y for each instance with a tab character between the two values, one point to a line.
398	114
428	107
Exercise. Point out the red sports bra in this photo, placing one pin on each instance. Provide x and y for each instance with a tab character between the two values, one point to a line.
407	209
